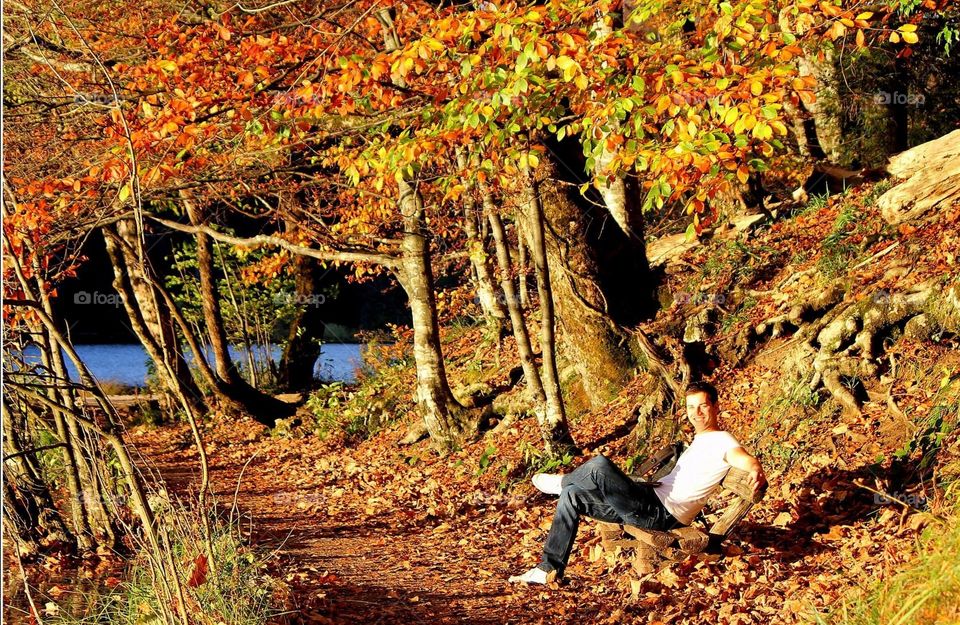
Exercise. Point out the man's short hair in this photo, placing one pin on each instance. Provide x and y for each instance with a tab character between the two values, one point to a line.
703	387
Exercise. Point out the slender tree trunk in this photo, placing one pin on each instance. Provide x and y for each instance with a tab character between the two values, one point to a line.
554	428
306	331
23	472
826	109
150	321
210	301
446	419
531	373
262	407
522	264
69	451
241	314
86	459
493	309
520	334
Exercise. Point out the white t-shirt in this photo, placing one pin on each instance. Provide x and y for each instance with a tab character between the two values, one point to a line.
698	471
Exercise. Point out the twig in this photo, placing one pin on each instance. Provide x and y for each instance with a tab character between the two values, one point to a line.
236	492
875	256
23	572
935	517
33	451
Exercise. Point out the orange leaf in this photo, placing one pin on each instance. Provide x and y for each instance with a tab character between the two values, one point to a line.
199	575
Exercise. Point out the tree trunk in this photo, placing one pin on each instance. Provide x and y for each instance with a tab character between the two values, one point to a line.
523	262
446	420
78	499
306	331
262	407
84	459
826	109
210	302
550	414
22	471
149	320
527	360
599	277
553	426
493	309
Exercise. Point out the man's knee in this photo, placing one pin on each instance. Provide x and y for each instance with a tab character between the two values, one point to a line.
600	461
571	500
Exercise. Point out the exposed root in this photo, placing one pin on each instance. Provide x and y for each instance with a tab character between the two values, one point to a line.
837	344
804	311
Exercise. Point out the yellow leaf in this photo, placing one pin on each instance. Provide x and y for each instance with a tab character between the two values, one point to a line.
124	193
533	159
908	28
865	16
861	40
910	37
756	87
731	117
581	82
167	66
894	38
564	62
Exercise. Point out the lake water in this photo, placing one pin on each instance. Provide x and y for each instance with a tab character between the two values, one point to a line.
127	364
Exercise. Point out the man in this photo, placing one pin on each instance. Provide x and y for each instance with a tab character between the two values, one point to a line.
600	490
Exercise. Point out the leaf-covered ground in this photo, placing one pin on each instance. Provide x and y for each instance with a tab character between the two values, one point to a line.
376	533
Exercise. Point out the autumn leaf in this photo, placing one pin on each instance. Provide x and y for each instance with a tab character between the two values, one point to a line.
199	575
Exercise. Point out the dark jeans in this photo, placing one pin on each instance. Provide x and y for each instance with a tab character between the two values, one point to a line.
600	490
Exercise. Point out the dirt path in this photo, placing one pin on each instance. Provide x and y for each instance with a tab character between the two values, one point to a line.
353	555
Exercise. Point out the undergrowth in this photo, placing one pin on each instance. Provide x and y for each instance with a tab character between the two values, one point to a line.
927	590
925	593
236	589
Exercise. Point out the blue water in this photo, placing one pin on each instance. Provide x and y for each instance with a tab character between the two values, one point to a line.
127	364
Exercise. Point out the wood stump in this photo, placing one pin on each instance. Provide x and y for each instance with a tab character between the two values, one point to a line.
648	550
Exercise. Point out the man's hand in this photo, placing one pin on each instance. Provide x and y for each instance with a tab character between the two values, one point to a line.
739	458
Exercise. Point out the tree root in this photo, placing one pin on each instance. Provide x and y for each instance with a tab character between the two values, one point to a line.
840	349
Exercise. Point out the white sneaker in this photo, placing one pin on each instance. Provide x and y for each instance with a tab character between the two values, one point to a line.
549	483
536	575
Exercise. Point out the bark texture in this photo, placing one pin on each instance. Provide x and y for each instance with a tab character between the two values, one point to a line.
446	419
600	281
932	173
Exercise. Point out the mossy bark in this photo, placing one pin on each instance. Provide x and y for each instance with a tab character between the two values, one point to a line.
600	281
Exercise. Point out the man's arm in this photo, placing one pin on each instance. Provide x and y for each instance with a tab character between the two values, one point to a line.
739	458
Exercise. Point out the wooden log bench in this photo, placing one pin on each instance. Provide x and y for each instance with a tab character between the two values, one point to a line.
648	550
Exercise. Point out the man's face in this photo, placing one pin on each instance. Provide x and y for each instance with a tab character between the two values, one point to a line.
701	412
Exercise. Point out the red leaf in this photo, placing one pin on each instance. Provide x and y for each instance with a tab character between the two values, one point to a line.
199	571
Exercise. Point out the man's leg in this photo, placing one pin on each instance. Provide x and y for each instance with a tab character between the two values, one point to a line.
574	502
616	489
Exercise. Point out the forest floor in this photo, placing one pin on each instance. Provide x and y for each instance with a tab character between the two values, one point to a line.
366	531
